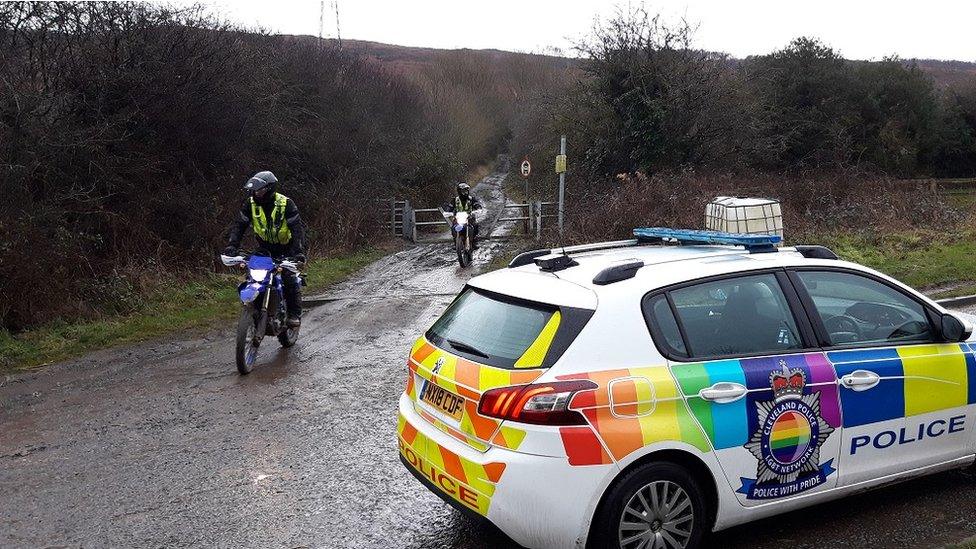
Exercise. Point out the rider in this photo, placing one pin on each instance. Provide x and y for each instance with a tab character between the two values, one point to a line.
278	230
466	202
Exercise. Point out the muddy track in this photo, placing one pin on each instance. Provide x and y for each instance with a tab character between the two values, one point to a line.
164	444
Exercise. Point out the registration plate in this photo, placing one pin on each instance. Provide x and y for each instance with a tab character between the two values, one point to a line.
444	400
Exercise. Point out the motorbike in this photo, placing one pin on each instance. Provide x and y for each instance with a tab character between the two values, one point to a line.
263	311
463	235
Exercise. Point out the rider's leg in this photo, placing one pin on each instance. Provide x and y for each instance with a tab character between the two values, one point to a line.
293	297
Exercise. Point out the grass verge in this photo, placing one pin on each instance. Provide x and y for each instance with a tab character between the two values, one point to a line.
173	306
920	258
967	544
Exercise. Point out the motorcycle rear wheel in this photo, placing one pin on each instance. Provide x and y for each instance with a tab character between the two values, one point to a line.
248	341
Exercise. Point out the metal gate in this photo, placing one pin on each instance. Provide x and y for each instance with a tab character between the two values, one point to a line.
404	221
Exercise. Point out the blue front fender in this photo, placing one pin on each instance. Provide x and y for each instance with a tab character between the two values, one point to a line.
250	291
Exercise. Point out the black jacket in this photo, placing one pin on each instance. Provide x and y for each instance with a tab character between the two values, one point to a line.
294	247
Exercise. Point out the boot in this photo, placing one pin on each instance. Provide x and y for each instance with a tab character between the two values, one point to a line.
293	301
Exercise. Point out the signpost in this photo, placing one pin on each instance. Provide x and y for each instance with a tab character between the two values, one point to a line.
561	170
525	168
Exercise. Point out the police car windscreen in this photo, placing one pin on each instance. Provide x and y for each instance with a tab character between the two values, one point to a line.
489	330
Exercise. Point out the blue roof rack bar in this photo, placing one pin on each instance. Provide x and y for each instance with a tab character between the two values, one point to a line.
755	243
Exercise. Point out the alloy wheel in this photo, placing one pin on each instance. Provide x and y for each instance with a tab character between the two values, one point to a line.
658	516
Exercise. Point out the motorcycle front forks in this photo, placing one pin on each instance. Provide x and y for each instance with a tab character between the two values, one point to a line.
267	294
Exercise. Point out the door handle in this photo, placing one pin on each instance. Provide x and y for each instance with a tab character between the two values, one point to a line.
724	392
860	380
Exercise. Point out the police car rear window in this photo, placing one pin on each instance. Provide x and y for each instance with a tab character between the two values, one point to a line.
489	329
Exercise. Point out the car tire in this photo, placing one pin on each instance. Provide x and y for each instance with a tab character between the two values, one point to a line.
636	494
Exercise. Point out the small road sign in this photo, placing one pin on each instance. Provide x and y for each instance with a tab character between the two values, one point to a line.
561	163
525	168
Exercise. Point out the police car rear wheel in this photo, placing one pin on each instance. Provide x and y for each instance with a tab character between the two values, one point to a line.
655	506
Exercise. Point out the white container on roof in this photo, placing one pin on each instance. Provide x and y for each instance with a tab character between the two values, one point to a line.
744	215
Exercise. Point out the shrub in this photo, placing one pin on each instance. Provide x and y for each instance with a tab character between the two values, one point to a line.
127	130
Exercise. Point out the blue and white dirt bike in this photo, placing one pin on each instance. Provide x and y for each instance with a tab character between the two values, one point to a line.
263	313
461	231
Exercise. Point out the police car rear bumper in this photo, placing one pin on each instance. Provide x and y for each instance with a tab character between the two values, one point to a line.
538	501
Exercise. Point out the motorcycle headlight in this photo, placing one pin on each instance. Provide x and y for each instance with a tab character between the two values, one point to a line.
259	274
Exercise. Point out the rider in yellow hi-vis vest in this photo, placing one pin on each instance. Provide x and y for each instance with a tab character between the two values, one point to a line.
278	230
466	202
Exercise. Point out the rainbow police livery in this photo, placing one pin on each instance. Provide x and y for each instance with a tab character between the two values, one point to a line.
649	392
788	441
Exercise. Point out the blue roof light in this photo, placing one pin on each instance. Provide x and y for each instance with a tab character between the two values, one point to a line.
752	242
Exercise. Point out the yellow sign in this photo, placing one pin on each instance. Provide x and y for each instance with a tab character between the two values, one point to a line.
560	163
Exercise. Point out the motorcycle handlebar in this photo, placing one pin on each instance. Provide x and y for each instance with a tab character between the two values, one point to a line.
232	261
290	264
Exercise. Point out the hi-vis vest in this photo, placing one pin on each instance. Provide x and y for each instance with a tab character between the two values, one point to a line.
462	206
276	232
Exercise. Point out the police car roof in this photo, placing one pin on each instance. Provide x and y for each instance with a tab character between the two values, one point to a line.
663	265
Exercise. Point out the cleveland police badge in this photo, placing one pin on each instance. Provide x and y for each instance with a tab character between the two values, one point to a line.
788	440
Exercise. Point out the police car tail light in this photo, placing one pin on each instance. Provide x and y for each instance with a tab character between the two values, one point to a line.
541	403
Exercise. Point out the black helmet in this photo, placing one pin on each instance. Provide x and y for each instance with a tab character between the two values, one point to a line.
463	190
261	180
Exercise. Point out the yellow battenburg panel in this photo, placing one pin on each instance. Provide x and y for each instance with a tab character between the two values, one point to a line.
509	437
536	353
489	378
465	435
935	378
469	483
447	372
417	345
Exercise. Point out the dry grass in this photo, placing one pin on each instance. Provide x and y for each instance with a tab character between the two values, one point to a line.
812	206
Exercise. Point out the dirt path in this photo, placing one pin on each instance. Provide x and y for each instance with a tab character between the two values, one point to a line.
163	444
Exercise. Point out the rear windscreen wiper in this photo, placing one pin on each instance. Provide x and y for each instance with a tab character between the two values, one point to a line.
466	348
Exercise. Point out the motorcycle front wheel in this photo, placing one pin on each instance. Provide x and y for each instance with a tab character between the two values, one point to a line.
464	255
248	340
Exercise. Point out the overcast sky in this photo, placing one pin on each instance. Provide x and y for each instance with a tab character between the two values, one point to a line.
860	29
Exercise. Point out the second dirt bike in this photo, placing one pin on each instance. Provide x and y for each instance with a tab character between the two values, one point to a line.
263	312
463	233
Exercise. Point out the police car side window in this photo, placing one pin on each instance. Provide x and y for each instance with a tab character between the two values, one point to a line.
856	310
745	315
664	326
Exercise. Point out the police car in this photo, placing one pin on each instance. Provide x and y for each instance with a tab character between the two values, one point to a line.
644	393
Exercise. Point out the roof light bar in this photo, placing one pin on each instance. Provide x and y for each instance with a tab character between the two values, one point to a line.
752	242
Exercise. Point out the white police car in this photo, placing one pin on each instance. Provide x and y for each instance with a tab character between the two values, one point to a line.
638	395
